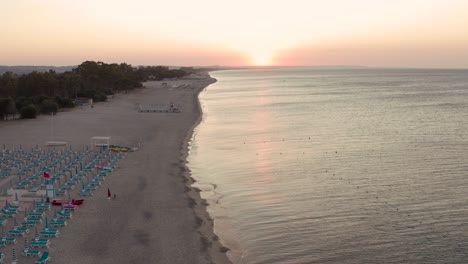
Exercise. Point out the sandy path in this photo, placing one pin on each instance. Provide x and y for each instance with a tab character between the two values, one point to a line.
155	217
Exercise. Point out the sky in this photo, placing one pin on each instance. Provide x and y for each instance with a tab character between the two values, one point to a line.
383	33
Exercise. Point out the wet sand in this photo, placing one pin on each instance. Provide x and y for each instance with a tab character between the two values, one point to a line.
156	216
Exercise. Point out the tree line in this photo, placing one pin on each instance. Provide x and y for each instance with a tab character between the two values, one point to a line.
47	92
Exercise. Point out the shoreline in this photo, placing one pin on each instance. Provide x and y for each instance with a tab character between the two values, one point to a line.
157	217
216	250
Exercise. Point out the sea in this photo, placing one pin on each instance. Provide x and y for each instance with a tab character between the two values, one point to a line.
336	165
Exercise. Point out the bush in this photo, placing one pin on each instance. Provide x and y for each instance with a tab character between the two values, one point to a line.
100	97
64	102
28	111
48	106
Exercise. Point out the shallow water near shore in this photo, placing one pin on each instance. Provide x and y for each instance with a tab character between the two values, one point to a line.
307	165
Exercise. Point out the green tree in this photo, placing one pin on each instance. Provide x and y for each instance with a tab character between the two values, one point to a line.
48	107
7	107
28	111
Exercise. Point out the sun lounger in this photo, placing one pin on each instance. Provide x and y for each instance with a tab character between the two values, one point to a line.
1	257
57	223
60	191
9	205
19	228
63	214
44	206
3	221
44	258
39	244
85	192
29	223
70	207
50	233
33	219
36	214
14	232
8	240
30	252
8	213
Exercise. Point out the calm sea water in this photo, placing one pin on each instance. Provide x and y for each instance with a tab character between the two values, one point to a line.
304	165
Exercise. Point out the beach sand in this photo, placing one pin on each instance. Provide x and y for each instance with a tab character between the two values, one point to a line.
156	216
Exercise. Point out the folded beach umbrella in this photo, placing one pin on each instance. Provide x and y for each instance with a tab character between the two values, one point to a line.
46	222
36	233
14	258
26	244
16	197
15	223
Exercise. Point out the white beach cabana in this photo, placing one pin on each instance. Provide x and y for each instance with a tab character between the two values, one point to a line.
98	141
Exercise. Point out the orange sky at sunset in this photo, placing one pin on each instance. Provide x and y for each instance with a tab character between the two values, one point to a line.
397	33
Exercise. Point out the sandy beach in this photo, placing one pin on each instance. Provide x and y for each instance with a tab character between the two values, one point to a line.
156	216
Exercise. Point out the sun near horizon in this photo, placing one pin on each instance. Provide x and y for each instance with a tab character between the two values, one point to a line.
418	33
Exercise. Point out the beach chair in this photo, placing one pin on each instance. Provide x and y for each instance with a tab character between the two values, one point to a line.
8	240
57	223
39	243
50	233
42	206
85	192
33	219
49	229
9	205
63	214
30	252
2	244
44	258
60	191
36	213
8	213
15	232
1	257
70	207
3	221
29	223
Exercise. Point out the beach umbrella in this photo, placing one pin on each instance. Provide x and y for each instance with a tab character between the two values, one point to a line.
81	165
16	197
82	184
36	233
14	258
108	193
42	199
46	222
